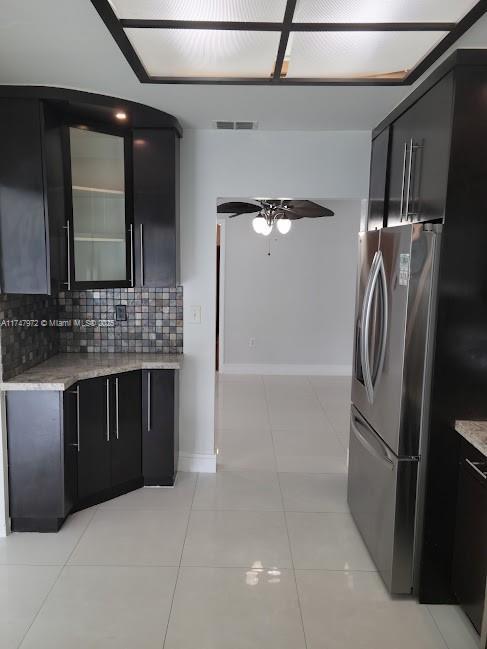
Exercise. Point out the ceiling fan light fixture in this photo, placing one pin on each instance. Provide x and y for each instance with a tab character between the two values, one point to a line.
257	224
283	225
266	228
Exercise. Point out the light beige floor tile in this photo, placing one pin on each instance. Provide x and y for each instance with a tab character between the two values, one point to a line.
314	492
327	541
230	608
131	537
352	610
242	417
45	549
178	497
339	383
303	450
455	627
238	490
105	608
22	592
237	539
245	448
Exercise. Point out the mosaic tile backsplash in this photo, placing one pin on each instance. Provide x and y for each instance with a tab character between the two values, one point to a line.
154	320
35	327
26	338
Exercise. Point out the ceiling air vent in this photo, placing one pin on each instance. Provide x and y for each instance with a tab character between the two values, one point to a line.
235	126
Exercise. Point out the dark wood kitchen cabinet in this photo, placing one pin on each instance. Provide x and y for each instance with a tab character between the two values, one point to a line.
42	458
126	428
99	439
32	246
94	456
419	164
86	200
470	554
109	457
378	180
160	434
156	207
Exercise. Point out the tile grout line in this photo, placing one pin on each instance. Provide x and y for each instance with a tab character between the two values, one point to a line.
293	570
447	646
332	426
61	569
180	561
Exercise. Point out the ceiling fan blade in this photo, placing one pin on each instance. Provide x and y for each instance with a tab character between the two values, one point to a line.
305	209
235	208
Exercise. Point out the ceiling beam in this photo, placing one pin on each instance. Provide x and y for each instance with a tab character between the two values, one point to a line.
112	23
135	23
281	52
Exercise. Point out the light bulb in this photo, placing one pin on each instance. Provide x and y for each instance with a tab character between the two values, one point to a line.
266	229
283	225
257	224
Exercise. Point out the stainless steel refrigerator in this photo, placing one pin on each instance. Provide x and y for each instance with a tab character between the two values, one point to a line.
394	335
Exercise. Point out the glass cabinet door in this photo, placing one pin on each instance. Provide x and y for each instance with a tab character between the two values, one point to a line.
99	207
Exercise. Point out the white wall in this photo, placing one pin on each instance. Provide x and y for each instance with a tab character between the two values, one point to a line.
298	303
216	164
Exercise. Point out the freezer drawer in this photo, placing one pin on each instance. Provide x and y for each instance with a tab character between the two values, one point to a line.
382	499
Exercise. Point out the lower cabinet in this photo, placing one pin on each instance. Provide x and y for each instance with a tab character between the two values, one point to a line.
110	440
42	434
99	439
470	556
160	434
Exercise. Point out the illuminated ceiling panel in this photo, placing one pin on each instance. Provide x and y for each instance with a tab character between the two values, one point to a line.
286	42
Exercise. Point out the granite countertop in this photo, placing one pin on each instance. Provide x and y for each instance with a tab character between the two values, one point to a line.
63	370
474	432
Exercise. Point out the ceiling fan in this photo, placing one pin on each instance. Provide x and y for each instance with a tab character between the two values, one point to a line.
274	211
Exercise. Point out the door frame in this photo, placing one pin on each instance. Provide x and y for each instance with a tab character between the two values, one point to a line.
221	221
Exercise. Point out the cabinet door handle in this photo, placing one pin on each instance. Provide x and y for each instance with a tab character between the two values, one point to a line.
414	147
149	422
108	410
403	179
116	404
76	392
410	171
67	227
474	466
141	254
77	417
131	230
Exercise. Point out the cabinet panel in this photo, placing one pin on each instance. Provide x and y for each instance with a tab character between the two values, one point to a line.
420	157
126	428
160	426
470	557
378	180
94	454
40	459
100	207
23	221
156	218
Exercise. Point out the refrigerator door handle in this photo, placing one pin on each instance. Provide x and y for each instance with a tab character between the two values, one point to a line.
381	455
385	318
365	325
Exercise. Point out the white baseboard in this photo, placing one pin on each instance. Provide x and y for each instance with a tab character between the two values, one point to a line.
309	370
197	462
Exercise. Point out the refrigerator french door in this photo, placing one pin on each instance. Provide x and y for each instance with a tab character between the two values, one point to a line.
390	393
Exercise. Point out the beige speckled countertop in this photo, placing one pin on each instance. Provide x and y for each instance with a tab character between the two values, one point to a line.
474	432
63	370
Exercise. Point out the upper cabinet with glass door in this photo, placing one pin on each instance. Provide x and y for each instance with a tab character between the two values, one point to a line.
100	225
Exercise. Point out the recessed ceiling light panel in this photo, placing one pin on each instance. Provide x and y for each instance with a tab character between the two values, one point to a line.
205	52
342	55
372	11
228	10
